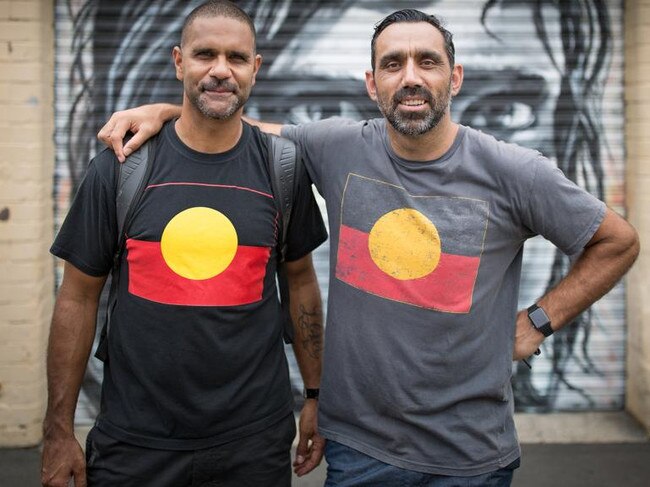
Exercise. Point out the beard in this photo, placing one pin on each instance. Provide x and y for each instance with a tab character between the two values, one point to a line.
413	123
203	105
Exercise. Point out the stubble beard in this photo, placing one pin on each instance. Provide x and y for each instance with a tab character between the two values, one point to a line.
203	105
414	124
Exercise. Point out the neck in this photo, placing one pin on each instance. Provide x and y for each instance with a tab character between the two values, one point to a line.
426	147
208	135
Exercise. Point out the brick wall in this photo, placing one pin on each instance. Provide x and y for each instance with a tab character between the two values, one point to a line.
637	97
26	166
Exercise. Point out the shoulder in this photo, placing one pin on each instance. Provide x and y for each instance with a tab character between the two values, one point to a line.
104	167
506	159
489	146
332	129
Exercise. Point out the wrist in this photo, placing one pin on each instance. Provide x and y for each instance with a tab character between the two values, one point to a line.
55	431
310	393
539	320
169	111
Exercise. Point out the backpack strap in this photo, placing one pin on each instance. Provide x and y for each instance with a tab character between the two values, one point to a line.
132	178
285	167
130	183
284	177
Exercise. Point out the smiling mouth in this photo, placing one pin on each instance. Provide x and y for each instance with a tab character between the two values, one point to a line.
413	103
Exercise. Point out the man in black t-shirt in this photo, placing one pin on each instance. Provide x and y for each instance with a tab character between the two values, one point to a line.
196	386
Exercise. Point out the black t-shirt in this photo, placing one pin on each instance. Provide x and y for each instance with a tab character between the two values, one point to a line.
195	348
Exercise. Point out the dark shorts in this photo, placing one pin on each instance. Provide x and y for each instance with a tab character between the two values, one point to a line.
260	460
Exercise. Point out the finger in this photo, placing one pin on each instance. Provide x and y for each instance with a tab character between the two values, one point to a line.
116	144
105	132
116	138
135	142
80	478
310	464
302	450
315	457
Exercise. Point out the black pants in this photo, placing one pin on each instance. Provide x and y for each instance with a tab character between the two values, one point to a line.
260	460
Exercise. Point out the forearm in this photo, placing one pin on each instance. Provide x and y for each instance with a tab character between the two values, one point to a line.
71	338
268	127
167	111
307	317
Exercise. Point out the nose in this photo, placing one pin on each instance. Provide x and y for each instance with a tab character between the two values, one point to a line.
411	74
220	69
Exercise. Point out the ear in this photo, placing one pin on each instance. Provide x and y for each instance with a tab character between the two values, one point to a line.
371	87
456	79
257	63
177	55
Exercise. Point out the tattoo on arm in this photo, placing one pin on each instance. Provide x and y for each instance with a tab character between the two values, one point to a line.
311	331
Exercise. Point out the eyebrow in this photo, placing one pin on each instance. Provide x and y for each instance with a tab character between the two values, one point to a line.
420	54
244	55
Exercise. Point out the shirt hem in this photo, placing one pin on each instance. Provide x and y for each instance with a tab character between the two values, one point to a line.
184	444
381	455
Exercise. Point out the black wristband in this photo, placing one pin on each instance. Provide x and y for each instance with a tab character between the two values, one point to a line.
310	393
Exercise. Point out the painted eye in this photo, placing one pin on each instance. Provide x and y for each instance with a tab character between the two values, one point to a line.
499	114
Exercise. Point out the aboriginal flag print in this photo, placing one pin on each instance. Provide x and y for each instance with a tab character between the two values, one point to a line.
419	250
197	257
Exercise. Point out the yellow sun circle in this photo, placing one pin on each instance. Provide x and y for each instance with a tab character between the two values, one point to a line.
199	243
405	244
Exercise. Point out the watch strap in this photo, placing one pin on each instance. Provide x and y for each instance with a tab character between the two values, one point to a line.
310	393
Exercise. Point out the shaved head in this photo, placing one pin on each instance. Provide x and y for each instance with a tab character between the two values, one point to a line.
217	8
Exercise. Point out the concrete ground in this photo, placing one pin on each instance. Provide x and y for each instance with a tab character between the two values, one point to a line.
559	450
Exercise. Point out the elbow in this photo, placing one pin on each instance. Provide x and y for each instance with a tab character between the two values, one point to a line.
633	244
628	245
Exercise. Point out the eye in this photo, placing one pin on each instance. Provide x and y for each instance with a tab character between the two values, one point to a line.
391	66
301	100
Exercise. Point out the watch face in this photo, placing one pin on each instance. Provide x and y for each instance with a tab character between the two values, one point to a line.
538	317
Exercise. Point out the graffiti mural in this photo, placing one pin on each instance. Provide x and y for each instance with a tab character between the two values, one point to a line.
541	73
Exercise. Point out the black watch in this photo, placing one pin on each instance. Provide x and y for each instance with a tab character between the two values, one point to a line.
540	320
310	393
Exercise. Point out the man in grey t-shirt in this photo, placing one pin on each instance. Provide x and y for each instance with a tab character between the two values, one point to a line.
428	220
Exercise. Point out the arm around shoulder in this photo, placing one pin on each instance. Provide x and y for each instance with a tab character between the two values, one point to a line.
144	122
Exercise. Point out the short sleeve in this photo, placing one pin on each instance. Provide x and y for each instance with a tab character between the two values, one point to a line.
88	237
561	211
306	228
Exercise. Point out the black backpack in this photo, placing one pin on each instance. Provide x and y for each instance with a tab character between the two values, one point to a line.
133	176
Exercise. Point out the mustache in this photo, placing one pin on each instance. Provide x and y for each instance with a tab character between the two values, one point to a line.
416	91
218	84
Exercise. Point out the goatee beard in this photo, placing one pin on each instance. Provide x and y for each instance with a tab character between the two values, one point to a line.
415	124
202	105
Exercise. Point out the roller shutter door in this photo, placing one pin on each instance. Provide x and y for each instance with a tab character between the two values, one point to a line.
548	75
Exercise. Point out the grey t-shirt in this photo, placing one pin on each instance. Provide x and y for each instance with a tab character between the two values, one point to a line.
424	279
